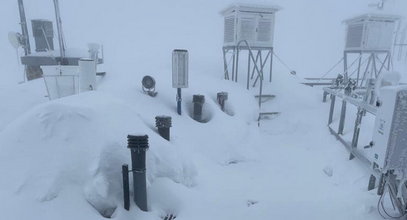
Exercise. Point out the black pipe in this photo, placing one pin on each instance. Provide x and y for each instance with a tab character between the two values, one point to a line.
126	190
138	146
198	101
179	100
163	123
222	97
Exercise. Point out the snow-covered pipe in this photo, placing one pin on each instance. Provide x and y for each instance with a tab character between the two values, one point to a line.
163	124
198	101
138	146
87	75
222	97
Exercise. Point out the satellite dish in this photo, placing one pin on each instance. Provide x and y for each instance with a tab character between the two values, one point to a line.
15	39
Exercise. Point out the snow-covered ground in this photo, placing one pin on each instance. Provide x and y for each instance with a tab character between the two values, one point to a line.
62	159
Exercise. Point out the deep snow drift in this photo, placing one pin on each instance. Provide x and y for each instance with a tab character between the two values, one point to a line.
62	159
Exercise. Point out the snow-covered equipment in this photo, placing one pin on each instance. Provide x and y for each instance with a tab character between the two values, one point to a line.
61	81
43	33
222	97
163	124
249	30
45	54
87	75
253	25
148	86
198	101
138	146
373	32
179	73
389	151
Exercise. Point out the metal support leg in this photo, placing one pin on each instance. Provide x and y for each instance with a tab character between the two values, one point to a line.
324	96
342	118
237	63
225	64
271	63
331	110
345	65
248	72
233	67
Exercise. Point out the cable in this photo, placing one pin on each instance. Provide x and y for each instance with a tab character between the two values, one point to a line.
325	74
380	207
284	64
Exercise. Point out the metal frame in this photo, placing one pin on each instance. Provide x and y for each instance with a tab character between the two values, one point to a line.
255	67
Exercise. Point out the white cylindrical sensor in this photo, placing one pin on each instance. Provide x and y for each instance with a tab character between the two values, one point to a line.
87	75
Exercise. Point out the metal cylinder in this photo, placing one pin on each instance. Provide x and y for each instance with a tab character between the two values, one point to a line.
222	97
138	146
163	124
126	190
198	101
87	75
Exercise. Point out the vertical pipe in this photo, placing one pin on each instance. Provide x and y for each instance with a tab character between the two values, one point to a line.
198	101
179	100
138	146
222	97
126	188
24	29
331	110
60	32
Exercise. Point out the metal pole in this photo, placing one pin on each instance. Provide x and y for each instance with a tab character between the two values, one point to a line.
126	188
138	146
60	32
179	100
356	131
24	29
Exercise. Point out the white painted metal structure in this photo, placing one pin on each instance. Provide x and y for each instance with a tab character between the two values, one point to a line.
371	32
255	24
390	132
87	75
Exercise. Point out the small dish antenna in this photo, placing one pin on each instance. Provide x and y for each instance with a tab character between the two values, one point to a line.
148	83
15	39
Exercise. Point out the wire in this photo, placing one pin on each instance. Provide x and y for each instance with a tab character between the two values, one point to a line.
380	207
330	70
282	62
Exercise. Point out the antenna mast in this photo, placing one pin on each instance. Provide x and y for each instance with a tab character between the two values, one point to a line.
60	32
24	30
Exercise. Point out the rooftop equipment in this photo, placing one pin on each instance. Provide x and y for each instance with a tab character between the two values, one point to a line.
371	32
255	24
43	35
45	54
179	73
249	31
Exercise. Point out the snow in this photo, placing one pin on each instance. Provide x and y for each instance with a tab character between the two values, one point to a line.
62	159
